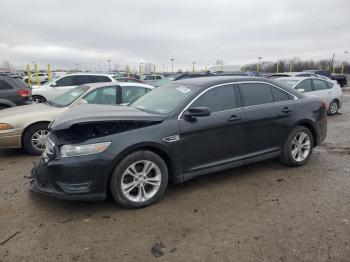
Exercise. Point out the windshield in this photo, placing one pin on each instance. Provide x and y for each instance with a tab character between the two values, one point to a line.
165	99
69	97
289	82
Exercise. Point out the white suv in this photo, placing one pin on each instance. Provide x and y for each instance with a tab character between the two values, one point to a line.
60	85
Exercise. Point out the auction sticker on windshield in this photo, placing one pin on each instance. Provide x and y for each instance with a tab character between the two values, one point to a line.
75	94
183	89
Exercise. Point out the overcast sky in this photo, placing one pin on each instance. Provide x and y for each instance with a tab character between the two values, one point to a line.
69	32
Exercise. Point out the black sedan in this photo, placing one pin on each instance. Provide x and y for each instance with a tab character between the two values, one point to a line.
185	129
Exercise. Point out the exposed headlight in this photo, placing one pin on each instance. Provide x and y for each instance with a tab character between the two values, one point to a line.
82	150
5	126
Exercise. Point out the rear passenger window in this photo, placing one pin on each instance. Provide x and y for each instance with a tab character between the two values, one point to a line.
217	99
306	85
256	94
319	84
4	85
330	85
279	95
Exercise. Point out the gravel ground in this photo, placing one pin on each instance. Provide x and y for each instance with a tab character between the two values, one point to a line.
261	212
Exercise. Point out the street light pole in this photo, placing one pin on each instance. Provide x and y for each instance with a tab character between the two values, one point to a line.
259	58
172	64
193	63
109	65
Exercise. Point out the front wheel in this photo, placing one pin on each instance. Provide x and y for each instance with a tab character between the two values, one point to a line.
139	180
298	148
34	138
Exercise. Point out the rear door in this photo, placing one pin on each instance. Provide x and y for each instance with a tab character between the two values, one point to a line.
215	139
321	89
268	111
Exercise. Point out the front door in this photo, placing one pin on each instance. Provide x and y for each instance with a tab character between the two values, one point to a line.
216	139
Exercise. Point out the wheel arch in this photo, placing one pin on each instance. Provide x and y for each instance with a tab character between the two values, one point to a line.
158	149
309	125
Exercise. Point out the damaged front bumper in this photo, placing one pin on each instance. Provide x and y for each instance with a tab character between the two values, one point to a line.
80	178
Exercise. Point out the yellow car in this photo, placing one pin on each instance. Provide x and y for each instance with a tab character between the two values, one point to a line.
27	126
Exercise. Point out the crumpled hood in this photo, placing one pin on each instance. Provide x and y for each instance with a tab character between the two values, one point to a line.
101	113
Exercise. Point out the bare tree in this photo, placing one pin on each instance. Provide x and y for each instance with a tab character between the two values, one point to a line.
7	64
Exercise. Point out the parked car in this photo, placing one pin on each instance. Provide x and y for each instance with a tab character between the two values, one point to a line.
13	92
58	86
182	130
177	77
129	79
42	77
150	79
292	74
341	79
329	91
27	126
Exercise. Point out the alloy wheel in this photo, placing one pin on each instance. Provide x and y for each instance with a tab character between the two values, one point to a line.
39	139
301	147
141	181
333	107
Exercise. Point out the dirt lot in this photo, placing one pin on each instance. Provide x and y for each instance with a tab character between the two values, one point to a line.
262	212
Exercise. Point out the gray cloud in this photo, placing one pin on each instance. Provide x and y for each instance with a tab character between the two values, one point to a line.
65	33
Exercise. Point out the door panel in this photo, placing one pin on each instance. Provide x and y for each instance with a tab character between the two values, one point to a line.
211	139
268	112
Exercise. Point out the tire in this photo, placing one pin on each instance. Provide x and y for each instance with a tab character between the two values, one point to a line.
39	99
333	108
38	131
294	141
125	176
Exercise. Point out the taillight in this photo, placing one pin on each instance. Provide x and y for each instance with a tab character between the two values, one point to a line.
324	105
24	93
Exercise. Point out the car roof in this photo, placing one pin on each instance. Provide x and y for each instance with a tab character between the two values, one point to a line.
102	84
205	82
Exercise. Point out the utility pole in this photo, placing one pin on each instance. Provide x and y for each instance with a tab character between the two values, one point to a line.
259	58
193	69
109	65
333	61
172	64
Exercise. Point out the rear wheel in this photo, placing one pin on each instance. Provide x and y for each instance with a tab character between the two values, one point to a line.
39	99
333	107
34	138
139	180
298	148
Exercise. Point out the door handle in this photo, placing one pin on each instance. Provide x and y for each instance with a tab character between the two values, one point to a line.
234	118
287	110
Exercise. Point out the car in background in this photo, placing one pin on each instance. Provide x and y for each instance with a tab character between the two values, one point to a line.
129	79
42	77
292	74
13	92
181	130
60	85
177	77
327	90
27	126
150	79
341	79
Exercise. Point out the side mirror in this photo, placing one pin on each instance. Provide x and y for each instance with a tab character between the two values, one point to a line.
301	90
53	84
194	112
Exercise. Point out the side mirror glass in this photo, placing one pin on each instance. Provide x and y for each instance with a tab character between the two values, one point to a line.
194	112
301	90
53	84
